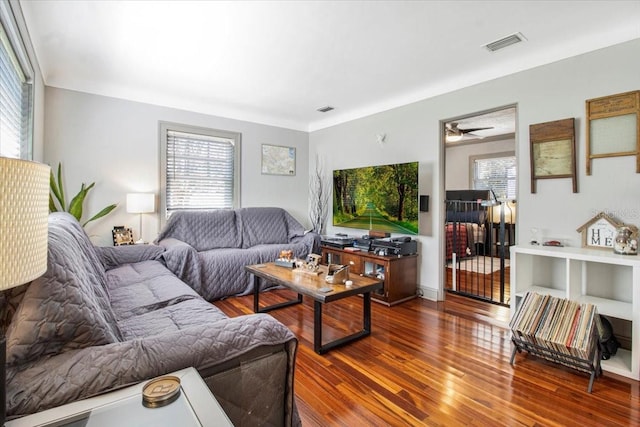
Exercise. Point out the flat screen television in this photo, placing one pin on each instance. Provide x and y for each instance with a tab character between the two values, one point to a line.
381	198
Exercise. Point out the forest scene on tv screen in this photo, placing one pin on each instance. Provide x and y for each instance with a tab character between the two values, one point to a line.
382	198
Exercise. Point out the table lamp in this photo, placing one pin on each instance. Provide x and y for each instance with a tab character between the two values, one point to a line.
493	201
24	212
141	203
506	208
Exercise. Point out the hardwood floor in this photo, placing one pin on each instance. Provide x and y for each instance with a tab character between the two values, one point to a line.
486	286
494	314
426	365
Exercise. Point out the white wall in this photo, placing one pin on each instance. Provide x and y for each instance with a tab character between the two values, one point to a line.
457	167
547	93
116	144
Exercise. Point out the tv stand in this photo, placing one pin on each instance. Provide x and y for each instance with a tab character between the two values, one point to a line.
399	274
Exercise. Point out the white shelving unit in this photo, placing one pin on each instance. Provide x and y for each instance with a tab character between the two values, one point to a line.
608	280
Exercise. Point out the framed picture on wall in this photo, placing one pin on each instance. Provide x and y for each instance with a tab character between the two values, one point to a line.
613	127
278	160
553	151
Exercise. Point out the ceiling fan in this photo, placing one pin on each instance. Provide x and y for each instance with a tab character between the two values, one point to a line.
454	133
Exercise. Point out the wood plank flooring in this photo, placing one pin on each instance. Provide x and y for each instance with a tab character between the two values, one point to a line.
425	365
486	286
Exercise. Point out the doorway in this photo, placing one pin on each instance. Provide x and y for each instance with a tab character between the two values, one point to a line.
480	224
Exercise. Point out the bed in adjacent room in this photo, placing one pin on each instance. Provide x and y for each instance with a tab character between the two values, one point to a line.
465	223
473	271
465	233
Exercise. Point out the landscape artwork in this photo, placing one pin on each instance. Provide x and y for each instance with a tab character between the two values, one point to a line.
381	198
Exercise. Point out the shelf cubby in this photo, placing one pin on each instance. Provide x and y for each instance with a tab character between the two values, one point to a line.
609	281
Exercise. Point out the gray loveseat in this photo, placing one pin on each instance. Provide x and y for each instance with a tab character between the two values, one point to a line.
209	249
104	318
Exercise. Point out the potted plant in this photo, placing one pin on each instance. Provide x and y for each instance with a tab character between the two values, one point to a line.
75	206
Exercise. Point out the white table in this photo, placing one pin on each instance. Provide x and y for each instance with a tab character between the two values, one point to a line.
195	406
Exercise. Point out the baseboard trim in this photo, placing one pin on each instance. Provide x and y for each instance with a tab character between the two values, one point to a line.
429	293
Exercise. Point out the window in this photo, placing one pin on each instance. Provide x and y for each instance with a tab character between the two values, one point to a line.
200	168
497	173
16	90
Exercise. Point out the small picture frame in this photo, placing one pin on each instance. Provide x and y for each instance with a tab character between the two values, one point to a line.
278	160
122	236
553	151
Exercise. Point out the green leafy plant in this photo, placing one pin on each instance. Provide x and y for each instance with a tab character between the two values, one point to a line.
75	206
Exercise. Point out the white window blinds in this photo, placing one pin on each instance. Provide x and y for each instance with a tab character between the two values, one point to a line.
496	173
200	171
15	103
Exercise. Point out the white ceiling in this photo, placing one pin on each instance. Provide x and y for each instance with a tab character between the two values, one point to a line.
277	62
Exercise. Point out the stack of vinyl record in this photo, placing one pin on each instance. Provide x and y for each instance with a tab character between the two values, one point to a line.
560	325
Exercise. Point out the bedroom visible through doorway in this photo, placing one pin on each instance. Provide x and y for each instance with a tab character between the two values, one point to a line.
480	198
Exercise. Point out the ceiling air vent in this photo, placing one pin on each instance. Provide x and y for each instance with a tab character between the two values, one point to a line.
325	109
505	41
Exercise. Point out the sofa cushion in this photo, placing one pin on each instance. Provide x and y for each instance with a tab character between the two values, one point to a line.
204	230
223	272
262	226
169	319
144	286
68	307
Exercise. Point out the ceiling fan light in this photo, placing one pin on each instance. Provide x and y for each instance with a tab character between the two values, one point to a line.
454	138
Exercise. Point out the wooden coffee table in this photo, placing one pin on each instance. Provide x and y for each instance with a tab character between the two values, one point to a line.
310	286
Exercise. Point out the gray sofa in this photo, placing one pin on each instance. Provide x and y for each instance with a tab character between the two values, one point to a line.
209	249
104	318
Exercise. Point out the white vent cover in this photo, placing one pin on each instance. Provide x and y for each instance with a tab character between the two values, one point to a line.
325	109
505	41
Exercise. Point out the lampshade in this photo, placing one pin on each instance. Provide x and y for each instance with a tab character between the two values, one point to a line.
509	208
141	203
24	212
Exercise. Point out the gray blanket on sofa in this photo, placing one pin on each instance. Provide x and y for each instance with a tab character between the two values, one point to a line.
209	249
92	324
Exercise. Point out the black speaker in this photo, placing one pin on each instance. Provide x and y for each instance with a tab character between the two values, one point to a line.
424	203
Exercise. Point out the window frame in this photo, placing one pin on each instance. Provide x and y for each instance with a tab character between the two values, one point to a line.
19	50
498	155
164	127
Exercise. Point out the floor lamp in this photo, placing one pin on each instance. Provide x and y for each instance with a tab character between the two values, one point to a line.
24	212
141	203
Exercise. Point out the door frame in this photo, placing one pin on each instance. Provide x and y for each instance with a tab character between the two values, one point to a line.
443	217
